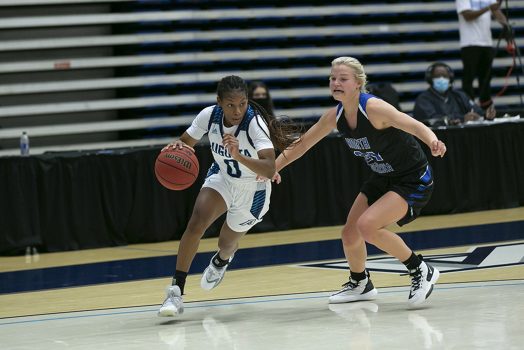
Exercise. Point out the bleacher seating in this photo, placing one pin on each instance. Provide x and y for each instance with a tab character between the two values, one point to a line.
78	74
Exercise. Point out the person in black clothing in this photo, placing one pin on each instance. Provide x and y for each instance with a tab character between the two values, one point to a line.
476	45
441	104
401	185
259	93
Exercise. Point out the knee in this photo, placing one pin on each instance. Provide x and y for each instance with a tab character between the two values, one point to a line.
196	226
350	236
367	228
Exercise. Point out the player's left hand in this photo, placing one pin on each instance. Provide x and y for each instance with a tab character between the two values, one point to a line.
438	148
230	142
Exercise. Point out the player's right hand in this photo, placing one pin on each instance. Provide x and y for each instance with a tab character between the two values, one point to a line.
276	178
176	144
438	148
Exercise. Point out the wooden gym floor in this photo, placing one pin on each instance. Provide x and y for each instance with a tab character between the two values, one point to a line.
275	293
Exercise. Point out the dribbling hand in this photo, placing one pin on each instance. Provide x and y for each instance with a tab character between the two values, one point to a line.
176	144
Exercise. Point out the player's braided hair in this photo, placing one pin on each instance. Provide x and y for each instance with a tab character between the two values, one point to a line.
282	132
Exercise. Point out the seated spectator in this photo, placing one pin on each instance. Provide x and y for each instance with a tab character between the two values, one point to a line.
441	104
259	92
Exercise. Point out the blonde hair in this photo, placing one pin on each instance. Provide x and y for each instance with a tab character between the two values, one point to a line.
351	62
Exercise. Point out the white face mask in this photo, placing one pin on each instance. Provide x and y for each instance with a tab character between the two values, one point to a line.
441	84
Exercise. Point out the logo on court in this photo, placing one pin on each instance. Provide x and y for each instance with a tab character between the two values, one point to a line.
476	258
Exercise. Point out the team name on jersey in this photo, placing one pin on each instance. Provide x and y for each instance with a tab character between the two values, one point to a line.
222	151
361	143
374	160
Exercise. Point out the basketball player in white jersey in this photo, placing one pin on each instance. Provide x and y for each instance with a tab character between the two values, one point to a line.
242	136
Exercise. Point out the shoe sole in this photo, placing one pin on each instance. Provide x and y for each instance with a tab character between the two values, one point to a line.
368	296
169	313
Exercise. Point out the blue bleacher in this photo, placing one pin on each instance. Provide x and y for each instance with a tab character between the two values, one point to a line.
218	37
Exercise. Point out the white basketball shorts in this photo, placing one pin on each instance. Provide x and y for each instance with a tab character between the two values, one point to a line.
246	202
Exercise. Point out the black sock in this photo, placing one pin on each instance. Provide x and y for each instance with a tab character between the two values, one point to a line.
218	261
358	276
180	280
413	262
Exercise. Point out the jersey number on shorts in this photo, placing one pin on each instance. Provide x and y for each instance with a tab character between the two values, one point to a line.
232	168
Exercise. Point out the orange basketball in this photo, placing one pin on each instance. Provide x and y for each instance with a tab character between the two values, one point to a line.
176	169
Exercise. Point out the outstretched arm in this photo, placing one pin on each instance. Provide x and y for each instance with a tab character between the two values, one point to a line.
382	115
323	127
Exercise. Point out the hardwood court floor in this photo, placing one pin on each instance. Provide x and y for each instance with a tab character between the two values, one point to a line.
478	302
460	316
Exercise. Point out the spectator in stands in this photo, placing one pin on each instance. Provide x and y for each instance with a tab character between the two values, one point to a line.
400	187
259	92
476	45
242	141
441	104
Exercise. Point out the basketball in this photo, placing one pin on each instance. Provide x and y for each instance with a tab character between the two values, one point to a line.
176	169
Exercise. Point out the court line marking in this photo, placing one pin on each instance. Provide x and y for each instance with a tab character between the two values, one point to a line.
392	290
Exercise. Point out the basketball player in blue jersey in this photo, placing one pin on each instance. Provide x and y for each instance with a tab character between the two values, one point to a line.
242	136
401	184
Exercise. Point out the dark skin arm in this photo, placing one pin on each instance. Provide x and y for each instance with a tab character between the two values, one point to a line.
184	141
470	15
264	166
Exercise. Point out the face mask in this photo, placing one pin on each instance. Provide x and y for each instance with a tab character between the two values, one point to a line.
441	84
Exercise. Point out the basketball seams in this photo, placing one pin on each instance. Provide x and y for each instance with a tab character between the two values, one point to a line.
177	169
179	185
170	166
192	157
188	156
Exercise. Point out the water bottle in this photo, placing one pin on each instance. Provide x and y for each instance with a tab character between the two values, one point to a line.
24	144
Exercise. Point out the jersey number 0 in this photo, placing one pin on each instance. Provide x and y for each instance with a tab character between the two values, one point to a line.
232	168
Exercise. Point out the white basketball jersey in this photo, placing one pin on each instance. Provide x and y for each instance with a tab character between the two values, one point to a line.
252	134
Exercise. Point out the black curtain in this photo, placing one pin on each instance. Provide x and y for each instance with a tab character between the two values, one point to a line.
78	200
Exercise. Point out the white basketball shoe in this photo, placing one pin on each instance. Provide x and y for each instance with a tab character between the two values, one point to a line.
422	280
213	275
354	291
173	305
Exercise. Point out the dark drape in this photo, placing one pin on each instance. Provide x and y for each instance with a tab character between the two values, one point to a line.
78	200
